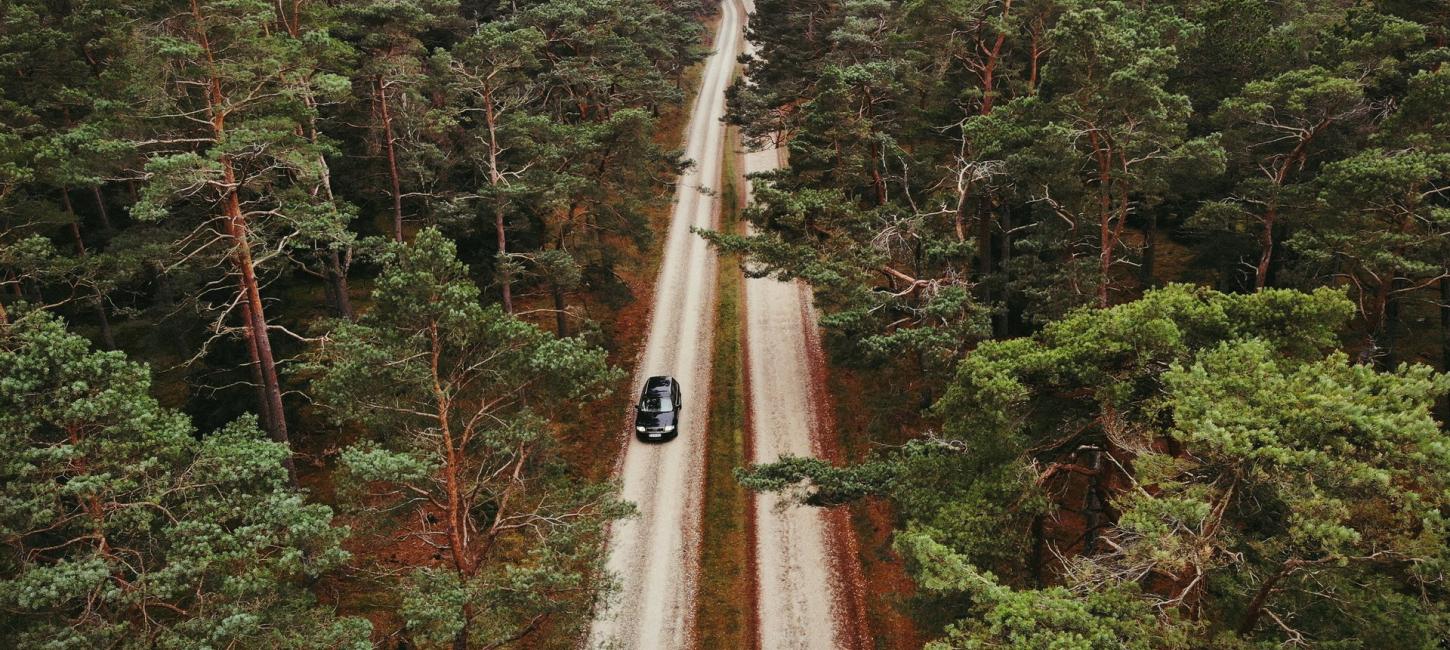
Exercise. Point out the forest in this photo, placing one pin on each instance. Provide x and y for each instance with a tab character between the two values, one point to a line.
1161	293
1136	314
304	304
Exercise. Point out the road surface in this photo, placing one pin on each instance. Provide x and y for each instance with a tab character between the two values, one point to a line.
655	555
808	589
807	580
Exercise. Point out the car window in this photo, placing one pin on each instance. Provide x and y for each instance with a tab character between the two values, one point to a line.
657	404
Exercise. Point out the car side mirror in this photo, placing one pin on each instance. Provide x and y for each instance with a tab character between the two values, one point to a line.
638	408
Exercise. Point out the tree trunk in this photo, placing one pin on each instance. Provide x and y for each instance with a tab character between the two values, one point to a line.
877	181
1150	253
925	394
1280	234
392	160
1256	606
337	280
1390	325
460	640
1106	244
1105	263
503	261
984	252
456	507
329	289
989	90
1037	51
1039	545
959	221
1271	240
334	270
1374	321
234	221
561	321
101	208
98	301
495	178
108	340
1266	248
255	368
1002	324
983	243
256	327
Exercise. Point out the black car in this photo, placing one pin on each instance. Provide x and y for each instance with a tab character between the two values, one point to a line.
657	415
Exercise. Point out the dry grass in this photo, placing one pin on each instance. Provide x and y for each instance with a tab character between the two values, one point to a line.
723	612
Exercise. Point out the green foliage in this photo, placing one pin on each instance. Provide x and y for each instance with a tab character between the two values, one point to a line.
1379	221
453	392
1054	618
1107	356
1247	468
553	107
128	531
177	170
959	171
1037	156
1333	474
265	84
1108	137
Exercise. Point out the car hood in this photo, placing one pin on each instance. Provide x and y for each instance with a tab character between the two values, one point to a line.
655	419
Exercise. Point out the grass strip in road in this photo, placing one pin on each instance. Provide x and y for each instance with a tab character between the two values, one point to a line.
723	613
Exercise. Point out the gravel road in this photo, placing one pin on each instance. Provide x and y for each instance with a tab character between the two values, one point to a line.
808	589
655	555
807	576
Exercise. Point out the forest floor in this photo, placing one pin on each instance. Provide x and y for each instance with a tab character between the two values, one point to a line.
863	424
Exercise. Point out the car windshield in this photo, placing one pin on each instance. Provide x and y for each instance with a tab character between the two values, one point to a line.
656	404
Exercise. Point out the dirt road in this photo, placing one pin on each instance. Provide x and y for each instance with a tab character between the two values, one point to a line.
808	591
655	555
808	587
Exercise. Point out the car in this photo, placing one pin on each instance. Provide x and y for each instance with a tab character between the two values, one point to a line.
657	415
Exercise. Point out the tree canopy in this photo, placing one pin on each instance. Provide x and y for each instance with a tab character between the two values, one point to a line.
1192	465
1135	313
123	529
1168	281
272	204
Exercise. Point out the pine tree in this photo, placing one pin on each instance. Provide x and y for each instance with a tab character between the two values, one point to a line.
461	456
60	59
229	165
125	529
